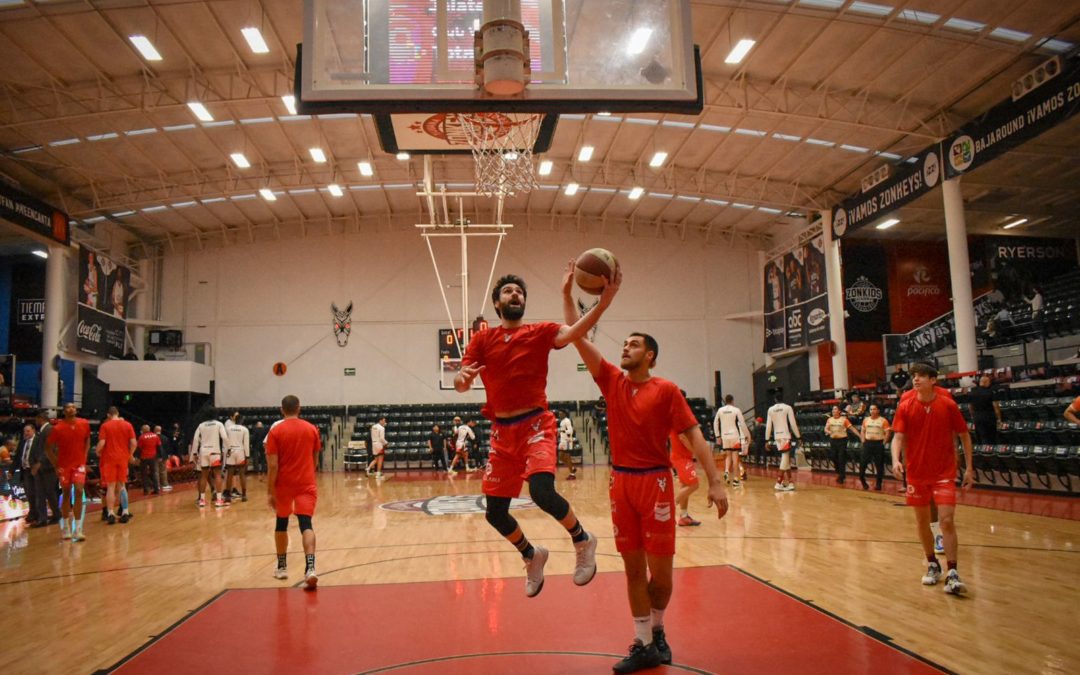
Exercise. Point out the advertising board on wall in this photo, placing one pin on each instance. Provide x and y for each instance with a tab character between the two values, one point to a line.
104	289
796	306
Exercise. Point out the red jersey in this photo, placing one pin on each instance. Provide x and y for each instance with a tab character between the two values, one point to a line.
940	391
516	361
118	435
294	441
679	452
148	445
70	440
641	416
930	454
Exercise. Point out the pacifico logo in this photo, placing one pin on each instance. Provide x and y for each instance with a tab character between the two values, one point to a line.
922	286
863	295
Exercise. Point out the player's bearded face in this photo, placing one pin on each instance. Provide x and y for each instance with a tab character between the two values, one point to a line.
633	353
511	302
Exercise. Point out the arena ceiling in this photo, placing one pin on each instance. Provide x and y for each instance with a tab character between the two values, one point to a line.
832	90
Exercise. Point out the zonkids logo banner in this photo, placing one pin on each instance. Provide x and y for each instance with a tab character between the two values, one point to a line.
796	307
1012	123
104	289
866	293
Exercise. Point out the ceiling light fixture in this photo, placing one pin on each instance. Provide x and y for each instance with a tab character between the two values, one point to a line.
268	194
145	47
365	169
571	189
240	160
335	189
658	160
403	156
318	155
888	223
739	51
200	111
255	40
545	167
41	253
1015	223
585	154
637	192
290	103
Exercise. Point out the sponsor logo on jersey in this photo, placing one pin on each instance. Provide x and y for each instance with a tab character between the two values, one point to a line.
445	505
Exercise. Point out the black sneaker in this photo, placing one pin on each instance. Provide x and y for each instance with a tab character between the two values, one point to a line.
662	647
110	519
124	517
639	658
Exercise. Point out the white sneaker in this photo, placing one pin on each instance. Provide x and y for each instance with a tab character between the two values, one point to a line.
166	488
65	530
933	574
79	536
789	487
281	573
534	571
779	487
953	585
939	544
311	580
451	472
585	567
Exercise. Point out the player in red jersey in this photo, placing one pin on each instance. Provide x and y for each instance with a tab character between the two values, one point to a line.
292	453
116	451
682	459
924	429
642	412
67	449
512	360
1072	412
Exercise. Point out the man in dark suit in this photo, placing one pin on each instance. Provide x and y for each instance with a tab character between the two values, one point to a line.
23	465
46	484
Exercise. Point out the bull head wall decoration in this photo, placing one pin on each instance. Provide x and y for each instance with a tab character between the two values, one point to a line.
342	323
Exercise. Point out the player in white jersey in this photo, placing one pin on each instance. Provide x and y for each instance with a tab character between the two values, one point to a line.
731	433
781	427
566	443
463	435
206	445
378	447
236	457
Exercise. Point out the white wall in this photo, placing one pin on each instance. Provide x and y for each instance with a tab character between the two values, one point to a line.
270	301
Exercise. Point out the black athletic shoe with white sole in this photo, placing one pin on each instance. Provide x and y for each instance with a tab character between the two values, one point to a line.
640	657
662	646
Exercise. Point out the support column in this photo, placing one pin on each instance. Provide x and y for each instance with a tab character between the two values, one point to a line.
140	308
967	357
55	276
834	286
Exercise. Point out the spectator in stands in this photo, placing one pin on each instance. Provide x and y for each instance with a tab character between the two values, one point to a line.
149	445
856	409
985	411
838	428
875	434
900	379
566	443
1072	412
258	450
436	444
1036	302
163	459
378	447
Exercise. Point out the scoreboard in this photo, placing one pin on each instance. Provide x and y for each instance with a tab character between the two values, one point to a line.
449	348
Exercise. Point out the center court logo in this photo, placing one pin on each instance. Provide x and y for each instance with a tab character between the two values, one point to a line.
446	505
863	295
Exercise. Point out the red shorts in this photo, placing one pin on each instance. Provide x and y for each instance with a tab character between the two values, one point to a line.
298	499
173	462
942	491
519	450
113	470
71	475
643	511
686	470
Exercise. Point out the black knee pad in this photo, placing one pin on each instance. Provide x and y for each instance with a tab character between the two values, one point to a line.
542	491
305	522
498	515
281	525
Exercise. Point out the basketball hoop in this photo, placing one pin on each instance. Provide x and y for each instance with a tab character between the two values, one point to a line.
503	150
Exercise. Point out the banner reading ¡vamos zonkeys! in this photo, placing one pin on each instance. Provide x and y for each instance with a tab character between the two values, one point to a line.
795	303
104	288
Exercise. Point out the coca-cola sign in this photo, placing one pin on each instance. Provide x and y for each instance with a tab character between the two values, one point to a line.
104	287
89	331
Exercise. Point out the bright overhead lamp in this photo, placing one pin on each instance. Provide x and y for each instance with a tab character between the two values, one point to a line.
571	189
200	111
145	47
604	114
545	168
290	103
403	156
318	155
658	160
637	192
585	154
41	253
365	169
1015	223
334	189
638	40
739	51
240	160
884	225
268	194
255	40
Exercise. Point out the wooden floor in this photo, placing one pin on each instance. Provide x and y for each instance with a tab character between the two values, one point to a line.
80	607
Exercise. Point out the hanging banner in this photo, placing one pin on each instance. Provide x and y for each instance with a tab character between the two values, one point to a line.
931	337
866	297
104	288
33	214
910	181
796	306
1012	123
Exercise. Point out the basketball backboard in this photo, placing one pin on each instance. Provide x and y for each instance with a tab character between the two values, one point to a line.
417	56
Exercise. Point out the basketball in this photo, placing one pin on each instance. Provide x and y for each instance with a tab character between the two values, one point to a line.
592	267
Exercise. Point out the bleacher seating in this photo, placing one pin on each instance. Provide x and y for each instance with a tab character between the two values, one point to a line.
1060	315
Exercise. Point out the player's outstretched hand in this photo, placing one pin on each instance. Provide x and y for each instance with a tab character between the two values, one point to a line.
611	288
470	372
718	497
568	280
897	470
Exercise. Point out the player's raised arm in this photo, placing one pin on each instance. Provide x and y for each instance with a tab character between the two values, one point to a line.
581	327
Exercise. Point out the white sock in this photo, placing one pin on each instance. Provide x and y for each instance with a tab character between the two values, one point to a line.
935	528
657	618
643	629
63	523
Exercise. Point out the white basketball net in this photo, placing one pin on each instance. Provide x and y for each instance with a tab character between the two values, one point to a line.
502	146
